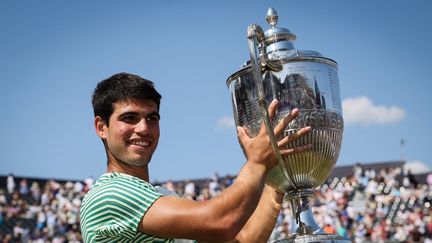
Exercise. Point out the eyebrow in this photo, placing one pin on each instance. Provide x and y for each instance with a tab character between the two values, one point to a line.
133	113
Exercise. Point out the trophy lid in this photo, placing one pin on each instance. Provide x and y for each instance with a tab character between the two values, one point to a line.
278	46
279	43
277	38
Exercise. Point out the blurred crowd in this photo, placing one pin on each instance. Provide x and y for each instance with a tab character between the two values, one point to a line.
370	206
367	206
41	213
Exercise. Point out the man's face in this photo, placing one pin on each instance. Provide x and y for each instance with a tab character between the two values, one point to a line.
133	132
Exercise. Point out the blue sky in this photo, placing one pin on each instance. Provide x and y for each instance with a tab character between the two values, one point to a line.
53	53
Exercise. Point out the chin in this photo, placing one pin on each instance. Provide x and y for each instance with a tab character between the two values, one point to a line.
137	164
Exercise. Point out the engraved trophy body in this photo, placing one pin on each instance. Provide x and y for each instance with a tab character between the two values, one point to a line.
297	79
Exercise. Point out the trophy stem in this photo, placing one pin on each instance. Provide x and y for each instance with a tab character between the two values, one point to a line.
304	227
304	222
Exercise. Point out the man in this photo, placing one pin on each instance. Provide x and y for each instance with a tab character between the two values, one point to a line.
123	206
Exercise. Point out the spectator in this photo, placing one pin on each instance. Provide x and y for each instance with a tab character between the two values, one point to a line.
213	187
189	190
10	183
23	187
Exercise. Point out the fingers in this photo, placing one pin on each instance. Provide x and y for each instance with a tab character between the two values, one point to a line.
292	137
285	152
272	109
280	127
272	112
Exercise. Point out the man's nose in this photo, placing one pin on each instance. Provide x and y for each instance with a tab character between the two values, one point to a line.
142	126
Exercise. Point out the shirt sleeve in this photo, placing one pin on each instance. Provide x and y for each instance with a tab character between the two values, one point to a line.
123	205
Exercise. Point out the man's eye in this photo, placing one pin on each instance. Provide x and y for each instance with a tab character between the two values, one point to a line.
129	118
152	119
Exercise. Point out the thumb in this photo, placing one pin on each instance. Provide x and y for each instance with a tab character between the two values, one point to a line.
242	137
243	134
240	131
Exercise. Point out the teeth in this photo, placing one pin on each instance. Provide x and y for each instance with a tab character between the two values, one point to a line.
140	143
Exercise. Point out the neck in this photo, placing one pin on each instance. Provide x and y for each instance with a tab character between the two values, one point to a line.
137	171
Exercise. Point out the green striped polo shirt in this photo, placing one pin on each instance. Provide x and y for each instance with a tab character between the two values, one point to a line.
113	208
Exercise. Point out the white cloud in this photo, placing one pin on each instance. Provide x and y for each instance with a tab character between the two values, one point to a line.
225	122
361	110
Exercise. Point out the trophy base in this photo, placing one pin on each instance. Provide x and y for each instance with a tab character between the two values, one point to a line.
305	229
325	238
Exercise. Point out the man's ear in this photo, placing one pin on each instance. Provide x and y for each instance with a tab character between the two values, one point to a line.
101	127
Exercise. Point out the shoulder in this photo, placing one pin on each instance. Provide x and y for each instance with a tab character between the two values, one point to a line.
116	203
113	187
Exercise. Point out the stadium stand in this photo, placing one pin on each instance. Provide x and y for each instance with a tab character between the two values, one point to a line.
374	202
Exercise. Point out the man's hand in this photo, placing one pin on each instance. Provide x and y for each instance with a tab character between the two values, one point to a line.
259	150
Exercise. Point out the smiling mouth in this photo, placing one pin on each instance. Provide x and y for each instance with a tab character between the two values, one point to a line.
140	143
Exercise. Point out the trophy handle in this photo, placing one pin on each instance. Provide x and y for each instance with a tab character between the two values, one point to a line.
255	37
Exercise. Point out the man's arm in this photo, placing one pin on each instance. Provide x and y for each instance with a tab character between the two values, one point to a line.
260	225
218	219
222	217
262	222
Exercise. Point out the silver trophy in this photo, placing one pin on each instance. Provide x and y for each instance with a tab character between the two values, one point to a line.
297	79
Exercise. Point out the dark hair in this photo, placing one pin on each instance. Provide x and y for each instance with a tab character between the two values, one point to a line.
121	87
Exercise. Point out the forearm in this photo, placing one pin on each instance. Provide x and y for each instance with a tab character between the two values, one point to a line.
261	224
237	203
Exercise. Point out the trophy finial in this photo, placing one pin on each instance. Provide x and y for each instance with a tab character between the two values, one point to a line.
272	17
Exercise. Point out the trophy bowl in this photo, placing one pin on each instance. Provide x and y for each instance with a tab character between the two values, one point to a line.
297	79
308	169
